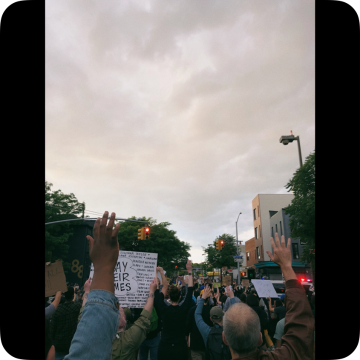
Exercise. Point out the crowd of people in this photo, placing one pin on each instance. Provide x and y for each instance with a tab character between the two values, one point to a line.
194	320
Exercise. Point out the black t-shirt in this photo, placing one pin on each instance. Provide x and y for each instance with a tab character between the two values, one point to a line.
196	340
263	320
280	311
174	318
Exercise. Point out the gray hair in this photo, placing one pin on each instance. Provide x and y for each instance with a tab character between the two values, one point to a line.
241	326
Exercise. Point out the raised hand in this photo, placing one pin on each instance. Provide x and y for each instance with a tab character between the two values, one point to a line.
206	292
153	285
282	256
104	247
282	253
87	285
104	252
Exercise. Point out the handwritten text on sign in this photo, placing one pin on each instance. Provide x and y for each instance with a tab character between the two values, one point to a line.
264	288
54	278
133	274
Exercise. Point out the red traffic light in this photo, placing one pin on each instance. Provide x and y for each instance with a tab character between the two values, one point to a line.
222	242
147	229
175	266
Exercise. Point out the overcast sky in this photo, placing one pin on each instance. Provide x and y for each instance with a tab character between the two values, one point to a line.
174	109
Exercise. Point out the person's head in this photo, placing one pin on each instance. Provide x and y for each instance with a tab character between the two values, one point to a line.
241	329
243	298
278	302
174	293
69	295
223	298
252	300
216	315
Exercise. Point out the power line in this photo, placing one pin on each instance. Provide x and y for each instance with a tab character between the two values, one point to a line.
67	207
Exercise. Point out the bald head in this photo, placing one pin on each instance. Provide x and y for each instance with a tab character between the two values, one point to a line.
241	326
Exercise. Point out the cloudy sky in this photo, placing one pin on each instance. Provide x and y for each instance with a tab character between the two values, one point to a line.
174	109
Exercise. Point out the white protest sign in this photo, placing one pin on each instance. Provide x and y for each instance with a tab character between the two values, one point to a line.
133	274
264	288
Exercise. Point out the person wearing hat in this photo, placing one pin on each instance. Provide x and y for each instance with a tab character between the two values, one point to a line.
212	336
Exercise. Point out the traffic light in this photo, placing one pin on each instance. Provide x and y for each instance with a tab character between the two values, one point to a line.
217	244
175	266
221	242
251	274
243	273
146	232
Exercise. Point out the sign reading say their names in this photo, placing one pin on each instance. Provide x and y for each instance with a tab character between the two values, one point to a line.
54	278
133	274
264	288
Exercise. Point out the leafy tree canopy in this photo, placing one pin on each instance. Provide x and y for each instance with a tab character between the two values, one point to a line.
302	207
219	258
163	241
59	206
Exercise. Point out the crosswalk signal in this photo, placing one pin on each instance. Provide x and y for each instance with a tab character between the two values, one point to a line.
141	234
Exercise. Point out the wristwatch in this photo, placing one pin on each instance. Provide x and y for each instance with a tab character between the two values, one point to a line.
189	273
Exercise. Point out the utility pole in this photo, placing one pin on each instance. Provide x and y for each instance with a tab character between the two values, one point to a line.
237	251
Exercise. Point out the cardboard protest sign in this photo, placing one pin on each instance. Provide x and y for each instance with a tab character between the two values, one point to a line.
133	274
54	278
245	282
226	280
264	288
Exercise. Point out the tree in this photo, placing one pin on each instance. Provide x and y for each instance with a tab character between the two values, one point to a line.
171	251
59	206
302	209
219	258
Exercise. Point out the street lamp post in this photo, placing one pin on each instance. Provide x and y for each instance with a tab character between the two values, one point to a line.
237	251
286	139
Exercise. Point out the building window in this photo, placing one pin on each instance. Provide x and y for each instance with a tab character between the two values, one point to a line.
276	229
254	214
257	255
259	232
295	251
260	251
280	229
258	211
256	234
272	232
247	256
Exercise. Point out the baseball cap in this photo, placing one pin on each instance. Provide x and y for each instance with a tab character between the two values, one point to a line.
216	313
